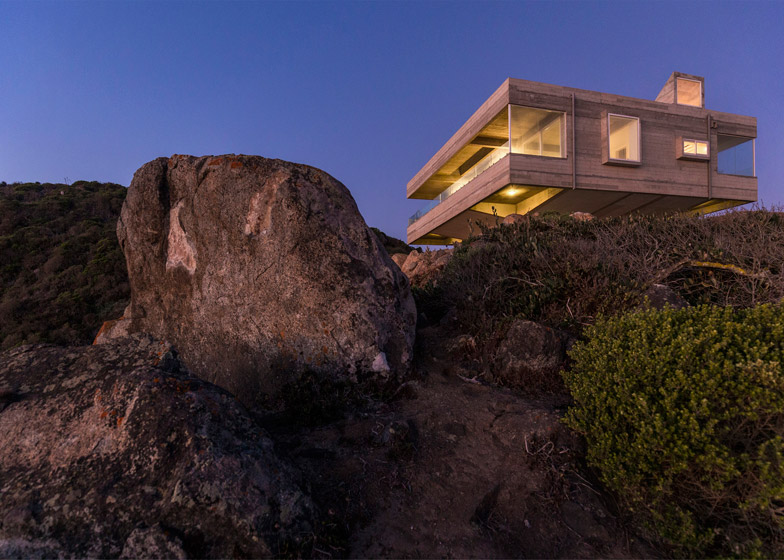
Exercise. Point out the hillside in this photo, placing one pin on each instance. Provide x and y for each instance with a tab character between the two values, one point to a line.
581	389
62	272
369	462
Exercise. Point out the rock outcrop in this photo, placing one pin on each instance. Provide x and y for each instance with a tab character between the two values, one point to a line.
660	296
399	258
530	357
258	271
424	268
115	450
582	216
512	219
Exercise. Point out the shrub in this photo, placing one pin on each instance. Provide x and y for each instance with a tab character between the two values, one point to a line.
564	273
683	414
63	272
546	269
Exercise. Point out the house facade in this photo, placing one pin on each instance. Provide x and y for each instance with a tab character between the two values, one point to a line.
534	147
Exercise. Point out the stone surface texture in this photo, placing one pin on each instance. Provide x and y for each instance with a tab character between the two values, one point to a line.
423	268
660	296
115	450
530	356
399	258
512	219
259	270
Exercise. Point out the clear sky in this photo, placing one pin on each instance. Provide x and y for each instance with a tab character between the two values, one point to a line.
366	91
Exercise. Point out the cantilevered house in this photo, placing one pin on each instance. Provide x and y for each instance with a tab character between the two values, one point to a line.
538	147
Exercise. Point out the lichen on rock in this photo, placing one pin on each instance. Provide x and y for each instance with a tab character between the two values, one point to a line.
116	449
260	271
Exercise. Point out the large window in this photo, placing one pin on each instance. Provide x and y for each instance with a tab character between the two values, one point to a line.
537	132
689	92
735	155
623	139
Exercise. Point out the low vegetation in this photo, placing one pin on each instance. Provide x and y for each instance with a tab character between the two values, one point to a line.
62	272
683	413
682	410
564	273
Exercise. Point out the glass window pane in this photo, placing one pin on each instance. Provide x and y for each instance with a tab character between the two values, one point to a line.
537	132
689	147
483	151
624	138
702	148
736	155
532	146
689	92
551	139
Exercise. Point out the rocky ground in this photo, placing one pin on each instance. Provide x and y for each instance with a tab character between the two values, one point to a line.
452	468
116	450
328	432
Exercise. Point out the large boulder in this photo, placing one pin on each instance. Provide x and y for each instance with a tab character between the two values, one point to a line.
258	271
115	449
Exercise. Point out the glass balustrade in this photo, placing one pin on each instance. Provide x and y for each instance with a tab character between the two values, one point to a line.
484	164
735	155
534	132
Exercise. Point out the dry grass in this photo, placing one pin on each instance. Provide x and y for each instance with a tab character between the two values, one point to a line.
564	273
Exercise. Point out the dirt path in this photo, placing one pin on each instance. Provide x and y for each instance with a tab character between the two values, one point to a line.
454	470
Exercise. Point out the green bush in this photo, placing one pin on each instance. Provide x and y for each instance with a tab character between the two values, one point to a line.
683	414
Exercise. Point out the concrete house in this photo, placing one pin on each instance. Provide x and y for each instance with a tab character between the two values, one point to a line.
539	147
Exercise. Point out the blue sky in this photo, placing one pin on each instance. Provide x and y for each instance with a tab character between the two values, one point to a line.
367	91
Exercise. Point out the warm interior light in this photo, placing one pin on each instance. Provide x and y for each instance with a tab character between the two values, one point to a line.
512	192
537	132
695	148
624	138
689	92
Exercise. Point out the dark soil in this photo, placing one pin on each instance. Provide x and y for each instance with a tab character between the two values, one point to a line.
453	468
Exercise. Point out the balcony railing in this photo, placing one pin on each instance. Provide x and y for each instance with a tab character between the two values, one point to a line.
485	163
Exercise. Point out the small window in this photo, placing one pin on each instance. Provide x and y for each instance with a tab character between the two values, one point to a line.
689	148
689	92
622	140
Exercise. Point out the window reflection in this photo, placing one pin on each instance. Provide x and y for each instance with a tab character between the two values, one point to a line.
736	155
695	148
537	132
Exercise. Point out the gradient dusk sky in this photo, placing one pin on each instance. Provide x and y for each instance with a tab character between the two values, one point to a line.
367	91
